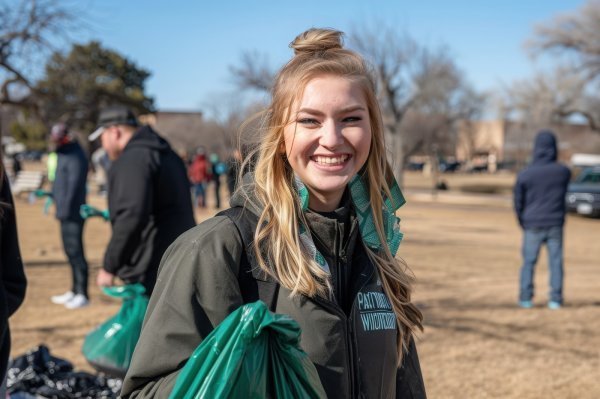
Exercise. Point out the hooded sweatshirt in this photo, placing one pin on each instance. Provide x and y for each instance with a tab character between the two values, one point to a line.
12	276
149	204
539	193
350	337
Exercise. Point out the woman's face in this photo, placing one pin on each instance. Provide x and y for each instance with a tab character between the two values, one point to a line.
328	138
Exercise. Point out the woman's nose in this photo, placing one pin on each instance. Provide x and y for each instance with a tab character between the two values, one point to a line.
331	135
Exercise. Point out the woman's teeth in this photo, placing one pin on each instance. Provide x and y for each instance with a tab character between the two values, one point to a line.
321	160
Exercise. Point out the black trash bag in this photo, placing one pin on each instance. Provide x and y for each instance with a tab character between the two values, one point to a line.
79	385
39	373
35	369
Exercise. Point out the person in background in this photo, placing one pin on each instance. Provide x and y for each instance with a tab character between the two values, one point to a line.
16	164
217	170
13	282
539	202
148	198
199	175
319	212
68	193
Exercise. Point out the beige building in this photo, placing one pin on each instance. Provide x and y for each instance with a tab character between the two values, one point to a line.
512	142
482	137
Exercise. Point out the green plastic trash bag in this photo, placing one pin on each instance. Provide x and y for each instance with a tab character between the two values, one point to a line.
109	347
39	193
253	353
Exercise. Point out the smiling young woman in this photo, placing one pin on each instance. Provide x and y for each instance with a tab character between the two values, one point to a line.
320	210
329	139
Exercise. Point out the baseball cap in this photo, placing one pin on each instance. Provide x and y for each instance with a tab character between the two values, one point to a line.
115	115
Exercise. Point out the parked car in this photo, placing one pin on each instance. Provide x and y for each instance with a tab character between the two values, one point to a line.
415	165
478	168
583	194
449	166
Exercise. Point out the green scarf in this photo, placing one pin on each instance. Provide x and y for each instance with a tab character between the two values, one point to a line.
360	198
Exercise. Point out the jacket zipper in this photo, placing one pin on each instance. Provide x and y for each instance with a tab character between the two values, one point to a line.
351	356
348	328
341	262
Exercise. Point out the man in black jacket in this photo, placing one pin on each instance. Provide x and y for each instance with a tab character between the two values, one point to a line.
68	192
539	200
148	198
13	283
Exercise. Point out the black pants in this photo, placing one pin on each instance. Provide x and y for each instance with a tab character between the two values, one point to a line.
72	236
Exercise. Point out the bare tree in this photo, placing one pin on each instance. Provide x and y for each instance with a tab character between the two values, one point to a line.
227	114
422	92
253	72
27	31
412	79
574	35
575	39
545	98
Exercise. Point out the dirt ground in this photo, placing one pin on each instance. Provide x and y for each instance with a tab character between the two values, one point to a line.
465	252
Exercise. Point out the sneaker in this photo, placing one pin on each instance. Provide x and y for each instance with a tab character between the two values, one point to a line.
78	301
526	304
63	298
554	305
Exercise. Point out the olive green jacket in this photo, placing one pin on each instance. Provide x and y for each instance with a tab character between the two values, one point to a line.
353	351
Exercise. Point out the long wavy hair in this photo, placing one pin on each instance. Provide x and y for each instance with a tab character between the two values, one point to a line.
277	245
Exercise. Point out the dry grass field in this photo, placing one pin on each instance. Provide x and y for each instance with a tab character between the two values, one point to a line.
464	251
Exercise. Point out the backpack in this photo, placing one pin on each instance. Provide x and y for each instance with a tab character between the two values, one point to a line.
254	283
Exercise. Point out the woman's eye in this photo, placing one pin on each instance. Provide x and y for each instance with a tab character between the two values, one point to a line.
307	121
350	119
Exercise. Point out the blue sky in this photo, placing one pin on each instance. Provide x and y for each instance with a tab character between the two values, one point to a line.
189	45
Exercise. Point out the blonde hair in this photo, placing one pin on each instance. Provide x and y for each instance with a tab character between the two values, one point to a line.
277	243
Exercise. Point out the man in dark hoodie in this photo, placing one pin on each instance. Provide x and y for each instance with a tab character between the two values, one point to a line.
148	198
68	192
539	200
13	282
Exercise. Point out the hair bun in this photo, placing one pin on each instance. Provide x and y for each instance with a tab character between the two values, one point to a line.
317	40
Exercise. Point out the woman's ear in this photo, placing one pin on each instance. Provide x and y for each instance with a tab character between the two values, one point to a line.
282	147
